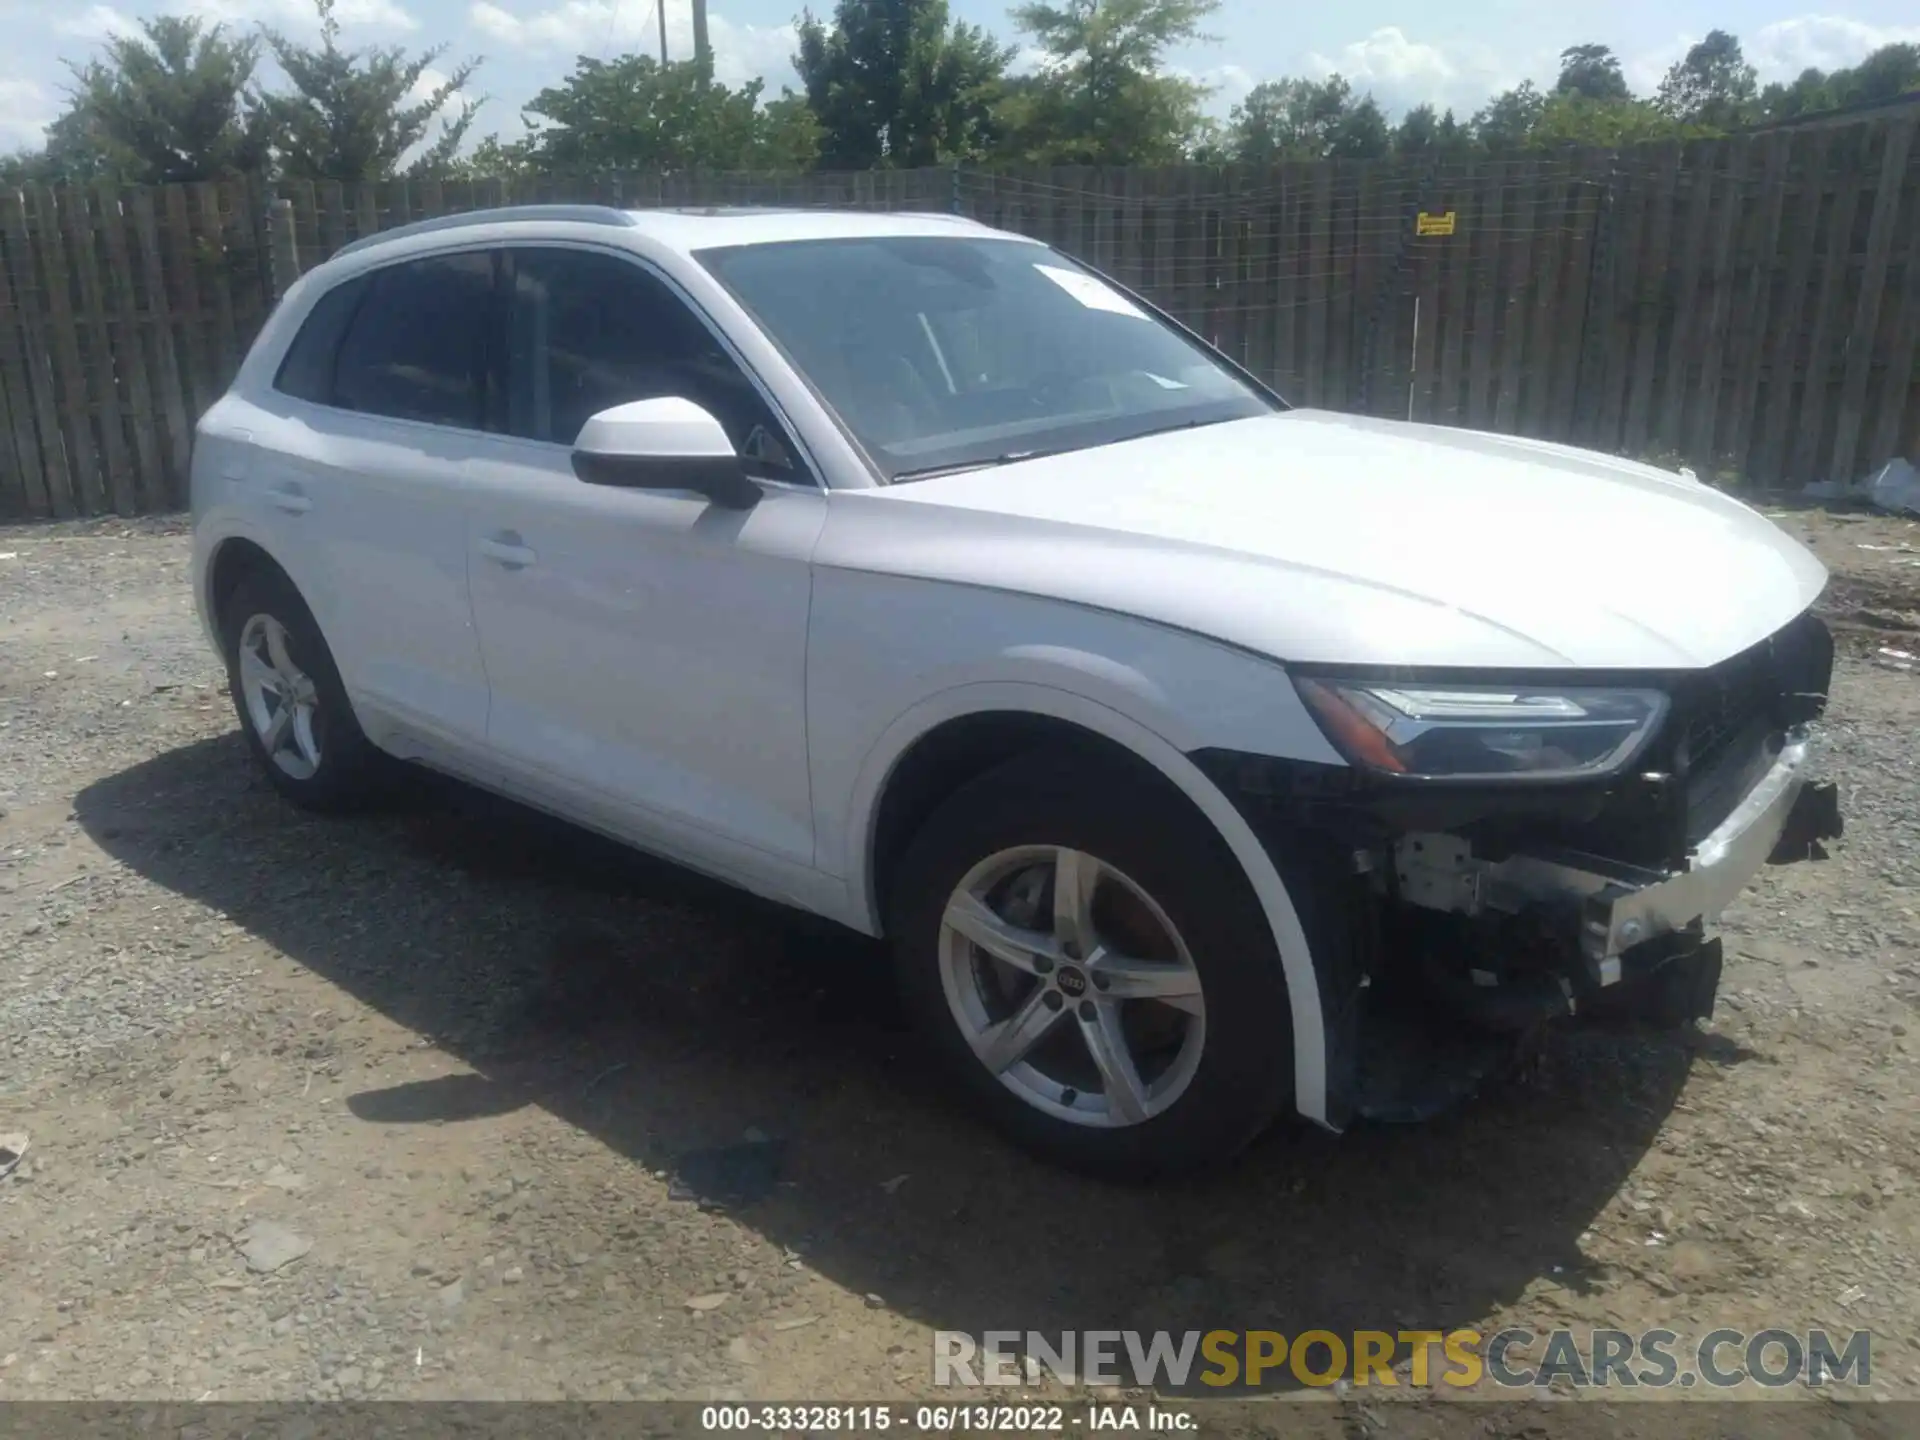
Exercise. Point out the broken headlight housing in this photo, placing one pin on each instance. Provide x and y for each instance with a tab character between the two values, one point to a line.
1445	731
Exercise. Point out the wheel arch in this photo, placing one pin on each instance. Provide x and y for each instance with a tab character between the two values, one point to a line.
952	736
232	560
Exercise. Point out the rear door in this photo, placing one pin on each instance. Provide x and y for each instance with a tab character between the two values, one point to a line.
386	406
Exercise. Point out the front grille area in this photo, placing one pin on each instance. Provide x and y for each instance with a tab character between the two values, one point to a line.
1712	790
1721	708
1727	720
1782	681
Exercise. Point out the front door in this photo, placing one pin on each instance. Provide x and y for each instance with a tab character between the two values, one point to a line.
644	650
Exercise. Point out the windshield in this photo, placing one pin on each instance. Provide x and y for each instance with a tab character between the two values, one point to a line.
943	353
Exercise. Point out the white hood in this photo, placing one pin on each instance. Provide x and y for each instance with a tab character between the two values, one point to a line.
1323	537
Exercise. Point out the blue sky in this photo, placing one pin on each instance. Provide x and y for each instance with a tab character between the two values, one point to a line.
1452	54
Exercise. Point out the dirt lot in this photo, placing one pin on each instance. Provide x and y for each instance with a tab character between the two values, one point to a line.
456	1052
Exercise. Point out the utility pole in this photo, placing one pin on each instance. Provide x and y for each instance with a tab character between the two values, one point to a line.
702	48
660	9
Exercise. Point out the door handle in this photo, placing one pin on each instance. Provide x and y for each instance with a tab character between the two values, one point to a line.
290	499
506	549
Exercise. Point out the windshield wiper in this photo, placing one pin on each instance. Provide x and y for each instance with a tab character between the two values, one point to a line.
934	472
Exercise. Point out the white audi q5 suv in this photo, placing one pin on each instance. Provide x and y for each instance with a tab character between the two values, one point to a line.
914	575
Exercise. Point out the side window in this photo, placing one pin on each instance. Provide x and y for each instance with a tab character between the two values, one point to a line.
589	331
307	371
417	348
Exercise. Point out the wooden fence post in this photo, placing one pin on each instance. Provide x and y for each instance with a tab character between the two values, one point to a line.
285	247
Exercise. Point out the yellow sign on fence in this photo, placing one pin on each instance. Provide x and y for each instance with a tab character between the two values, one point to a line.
1425	224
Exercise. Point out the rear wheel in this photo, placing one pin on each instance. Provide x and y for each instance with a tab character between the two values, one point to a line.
292	707
1087	958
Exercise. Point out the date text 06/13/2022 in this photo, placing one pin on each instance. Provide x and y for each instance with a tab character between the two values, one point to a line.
943	1419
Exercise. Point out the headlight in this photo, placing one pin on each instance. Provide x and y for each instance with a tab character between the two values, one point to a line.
1476	732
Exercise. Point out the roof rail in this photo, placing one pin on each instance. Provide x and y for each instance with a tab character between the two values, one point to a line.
499	215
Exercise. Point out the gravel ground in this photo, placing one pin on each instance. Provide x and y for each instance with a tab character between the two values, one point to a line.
390	1107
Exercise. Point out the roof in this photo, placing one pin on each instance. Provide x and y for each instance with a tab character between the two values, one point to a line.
688	228
703	229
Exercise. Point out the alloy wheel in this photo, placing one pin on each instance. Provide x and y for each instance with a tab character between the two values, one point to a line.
282	702
1072	986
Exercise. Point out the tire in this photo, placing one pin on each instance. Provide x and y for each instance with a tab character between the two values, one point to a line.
321	759
1193	1108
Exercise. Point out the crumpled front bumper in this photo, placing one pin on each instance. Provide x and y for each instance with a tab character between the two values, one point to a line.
1622	909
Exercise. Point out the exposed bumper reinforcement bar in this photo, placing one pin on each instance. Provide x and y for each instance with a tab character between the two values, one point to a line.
1621	906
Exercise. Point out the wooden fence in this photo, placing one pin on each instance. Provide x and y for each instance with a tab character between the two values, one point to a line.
1750	306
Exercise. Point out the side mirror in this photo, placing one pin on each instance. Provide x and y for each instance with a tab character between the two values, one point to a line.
664	444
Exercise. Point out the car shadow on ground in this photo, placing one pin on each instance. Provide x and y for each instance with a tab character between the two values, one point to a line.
662	1013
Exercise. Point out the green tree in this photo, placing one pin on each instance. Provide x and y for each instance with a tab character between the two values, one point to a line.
1576	120
897	83
791	133
350	115
492	158
633	113
1810	91
1306	120
1525	119
1425	133
1102	95
1807	93
1592	71
1886	74
1259	128
1506	122
1362	133
73	153
1286	120
165	105
1711	85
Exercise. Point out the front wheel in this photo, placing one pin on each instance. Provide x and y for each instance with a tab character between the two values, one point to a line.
1088	959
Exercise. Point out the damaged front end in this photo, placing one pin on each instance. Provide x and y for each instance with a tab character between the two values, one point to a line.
1517	849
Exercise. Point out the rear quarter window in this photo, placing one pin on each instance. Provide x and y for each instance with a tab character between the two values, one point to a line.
417	348
307	371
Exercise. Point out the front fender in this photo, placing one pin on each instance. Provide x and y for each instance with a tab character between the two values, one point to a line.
1303	990
923	655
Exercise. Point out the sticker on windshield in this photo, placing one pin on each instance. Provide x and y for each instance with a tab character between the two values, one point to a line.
1091	291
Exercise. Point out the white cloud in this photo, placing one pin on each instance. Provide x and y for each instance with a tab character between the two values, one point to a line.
1402	73
431	80
1645	70
1029	60
99	22
566	25
1780	51
300	14
602	28
1227	85
25	109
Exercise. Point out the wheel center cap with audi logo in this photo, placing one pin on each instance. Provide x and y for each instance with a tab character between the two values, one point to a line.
1072	982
